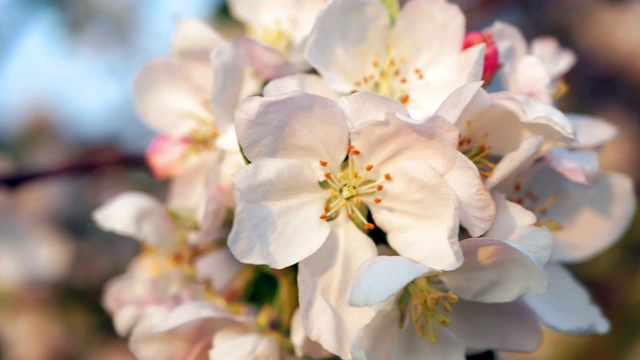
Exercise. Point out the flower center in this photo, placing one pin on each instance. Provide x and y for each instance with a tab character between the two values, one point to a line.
388	76
477	151
427	305
348	188
536	205
275	35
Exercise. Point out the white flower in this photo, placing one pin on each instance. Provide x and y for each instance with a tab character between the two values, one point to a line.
439	313
298	181
536	70
418	61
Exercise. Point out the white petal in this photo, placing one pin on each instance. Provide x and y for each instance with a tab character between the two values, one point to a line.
580	166
347	35
167	101
432	143
377	341
511	326
515	223
293	126
495	271
592	132
193	311
323	285
442	21
530	78
303	346
218	267
411	346
512	162
364	108
567	307
191	45
444	78
277	219
454	104
419	214
308	83
511	44
475	205
136	215
240	344
592	218
556	60
382	277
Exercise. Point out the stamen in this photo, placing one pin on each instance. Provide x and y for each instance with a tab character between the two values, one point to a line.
323	163
387	176
369	167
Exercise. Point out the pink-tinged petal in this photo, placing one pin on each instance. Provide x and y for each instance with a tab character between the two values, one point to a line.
517	224
365	107
557	61
167	101
323	285
308	83
302	345
166	156
511	326
125	318
139	216
579	166
592	132
591	218
442	79
218	267
277	220
345	39
238	343
383	143
188	190
266	60
293	126
495	271
379	336
530	78
419	213
411	346
441	21
452	107
475	205
567	307
382	277
512	162
191	47
183	342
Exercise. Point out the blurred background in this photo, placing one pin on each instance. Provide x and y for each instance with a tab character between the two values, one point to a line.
70	139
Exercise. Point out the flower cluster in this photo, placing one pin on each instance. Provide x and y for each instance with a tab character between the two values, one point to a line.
343	184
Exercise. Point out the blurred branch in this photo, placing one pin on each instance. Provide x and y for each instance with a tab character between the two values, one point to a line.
86	163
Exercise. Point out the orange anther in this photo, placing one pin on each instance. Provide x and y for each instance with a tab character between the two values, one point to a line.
379	187
323	163
404	99
377	200
349	148
327	175
355	152
403	80
357	83
327	207
324	216
369	226
369	167
351	215
387	176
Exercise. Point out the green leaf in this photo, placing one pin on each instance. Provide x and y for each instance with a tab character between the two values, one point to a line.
393	6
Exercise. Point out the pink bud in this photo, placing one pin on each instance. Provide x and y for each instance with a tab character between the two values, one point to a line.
491	56
166	155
